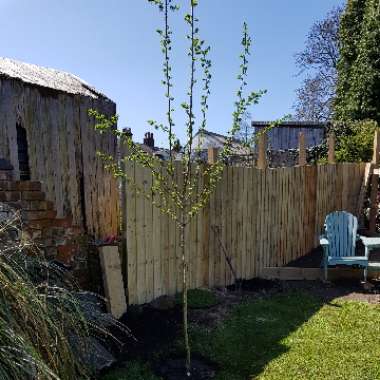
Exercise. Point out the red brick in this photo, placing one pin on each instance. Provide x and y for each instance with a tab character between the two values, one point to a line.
74	231
37	215
35	205
9	196
49	205
6	175
64	222
66	253
8	186
28	185
33	196
40	224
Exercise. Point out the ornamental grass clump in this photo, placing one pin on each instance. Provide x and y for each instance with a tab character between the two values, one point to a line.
43	323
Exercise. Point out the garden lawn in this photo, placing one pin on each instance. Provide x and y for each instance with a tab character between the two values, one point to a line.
293	336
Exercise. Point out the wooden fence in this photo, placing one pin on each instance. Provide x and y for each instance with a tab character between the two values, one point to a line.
262	217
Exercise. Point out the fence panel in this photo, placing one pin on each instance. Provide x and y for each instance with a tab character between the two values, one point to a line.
257	217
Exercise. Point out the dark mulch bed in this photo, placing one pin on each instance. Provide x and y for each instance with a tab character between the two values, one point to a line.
174	369
152	328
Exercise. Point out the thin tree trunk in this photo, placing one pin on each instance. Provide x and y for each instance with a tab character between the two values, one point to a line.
184	303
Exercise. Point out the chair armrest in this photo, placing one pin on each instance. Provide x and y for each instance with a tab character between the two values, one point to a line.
325	245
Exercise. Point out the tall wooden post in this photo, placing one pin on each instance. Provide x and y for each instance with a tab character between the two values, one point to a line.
262	152
212	155
302	150
124	152
376	148
374	203
374	184
331	146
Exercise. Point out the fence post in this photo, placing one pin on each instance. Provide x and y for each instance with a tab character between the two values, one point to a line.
376	148
374	183
262	152
374	203
331	146
124	151
212	155
302	150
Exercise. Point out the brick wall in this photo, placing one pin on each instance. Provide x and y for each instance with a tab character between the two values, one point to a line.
58	238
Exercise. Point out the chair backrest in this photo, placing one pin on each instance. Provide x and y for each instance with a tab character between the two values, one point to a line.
341	229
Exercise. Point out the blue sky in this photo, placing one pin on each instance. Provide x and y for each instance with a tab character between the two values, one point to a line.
113	45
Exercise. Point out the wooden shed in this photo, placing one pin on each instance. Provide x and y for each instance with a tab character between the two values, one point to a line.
47	135
285	135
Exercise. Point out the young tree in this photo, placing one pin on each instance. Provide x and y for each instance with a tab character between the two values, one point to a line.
319	61
358	93
183	201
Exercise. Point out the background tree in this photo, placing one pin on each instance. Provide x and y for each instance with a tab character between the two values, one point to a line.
319	62
358	92
177	147
357	145
246	132
183	199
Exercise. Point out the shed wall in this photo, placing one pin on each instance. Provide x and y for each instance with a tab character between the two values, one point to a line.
62	151
283	137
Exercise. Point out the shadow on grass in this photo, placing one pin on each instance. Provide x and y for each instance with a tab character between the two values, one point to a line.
257	332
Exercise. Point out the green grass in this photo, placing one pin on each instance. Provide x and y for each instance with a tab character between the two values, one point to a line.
290	337
295	337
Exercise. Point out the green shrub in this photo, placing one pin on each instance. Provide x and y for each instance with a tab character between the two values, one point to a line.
355	141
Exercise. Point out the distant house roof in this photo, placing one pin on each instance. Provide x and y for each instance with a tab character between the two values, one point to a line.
48	78
215	140
158	152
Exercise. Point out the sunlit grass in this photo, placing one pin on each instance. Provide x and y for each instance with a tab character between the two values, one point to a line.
295	336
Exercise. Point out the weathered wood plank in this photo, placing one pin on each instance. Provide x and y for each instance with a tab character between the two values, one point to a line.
113	280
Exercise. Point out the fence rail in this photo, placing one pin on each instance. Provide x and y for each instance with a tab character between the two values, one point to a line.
258	217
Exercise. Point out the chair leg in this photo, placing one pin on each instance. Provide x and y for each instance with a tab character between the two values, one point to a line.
326	272
365	274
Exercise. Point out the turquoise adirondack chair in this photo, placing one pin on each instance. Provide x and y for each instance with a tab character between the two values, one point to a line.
339	242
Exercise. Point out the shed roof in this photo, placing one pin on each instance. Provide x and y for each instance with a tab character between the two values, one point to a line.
292	124
46	77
